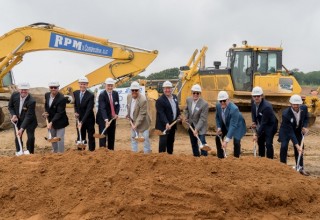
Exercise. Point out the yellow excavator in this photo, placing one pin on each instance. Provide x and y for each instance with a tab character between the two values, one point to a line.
127	61
248	66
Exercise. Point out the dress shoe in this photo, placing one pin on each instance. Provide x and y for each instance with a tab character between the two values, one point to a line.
303	172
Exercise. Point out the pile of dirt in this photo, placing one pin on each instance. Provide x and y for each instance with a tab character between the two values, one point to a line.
121	184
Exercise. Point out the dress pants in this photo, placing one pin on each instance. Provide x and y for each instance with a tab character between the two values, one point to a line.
110	134
166	141
236	145
87	128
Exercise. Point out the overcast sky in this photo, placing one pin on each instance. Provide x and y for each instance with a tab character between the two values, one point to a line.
173	27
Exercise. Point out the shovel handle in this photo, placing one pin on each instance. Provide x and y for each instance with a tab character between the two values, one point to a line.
18	137
197	136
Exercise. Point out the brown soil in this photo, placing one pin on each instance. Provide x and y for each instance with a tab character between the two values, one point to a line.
121	184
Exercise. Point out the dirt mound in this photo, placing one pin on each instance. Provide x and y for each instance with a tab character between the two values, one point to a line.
122	184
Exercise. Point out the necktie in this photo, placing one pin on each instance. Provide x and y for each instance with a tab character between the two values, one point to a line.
113	113
223	116
81	96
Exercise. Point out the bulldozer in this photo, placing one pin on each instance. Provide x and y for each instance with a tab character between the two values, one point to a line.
127	61
247	66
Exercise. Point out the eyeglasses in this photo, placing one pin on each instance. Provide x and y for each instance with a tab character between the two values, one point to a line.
134	90
222	101
256	96
53	87
196	93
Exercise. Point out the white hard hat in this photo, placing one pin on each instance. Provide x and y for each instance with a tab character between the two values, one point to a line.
54	83
295	99
257	91
167	84
83	79
196	88
223	95
135	85
24	85
109	81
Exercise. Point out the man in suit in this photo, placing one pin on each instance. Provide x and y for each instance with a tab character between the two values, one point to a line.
55	107
264	121
83	108
167	112
293	126
196	114
230	124
109	108
22	109
137	108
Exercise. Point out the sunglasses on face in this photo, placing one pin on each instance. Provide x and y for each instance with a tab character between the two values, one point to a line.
53	87
222	101
256	96
196	93
134	90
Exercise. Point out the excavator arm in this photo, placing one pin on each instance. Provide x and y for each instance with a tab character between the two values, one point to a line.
128	61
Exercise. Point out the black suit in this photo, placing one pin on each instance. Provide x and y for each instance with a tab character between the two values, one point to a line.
165	115
290	129
104	112
86	116
57	111
267	127
26	120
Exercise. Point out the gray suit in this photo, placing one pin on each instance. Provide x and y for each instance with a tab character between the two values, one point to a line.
199	117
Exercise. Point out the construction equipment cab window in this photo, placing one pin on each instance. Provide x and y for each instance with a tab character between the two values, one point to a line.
267	63
245	63
241	70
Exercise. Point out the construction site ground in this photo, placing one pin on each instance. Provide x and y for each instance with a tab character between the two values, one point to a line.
121	184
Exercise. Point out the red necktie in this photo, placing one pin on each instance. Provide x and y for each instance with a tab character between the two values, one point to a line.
113	113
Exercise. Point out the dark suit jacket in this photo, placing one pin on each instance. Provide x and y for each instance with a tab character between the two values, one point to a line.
235	123
104	110
165	113
265	118
85	108
27	118
57	111
288	128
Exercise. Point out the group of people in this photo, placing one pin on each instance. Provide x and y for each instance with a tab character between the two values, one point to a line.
230	123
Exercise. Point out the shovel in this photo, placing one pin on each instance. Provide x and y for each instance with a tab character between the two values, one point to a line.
21	152
254	143
201	146
80	144
137	138
50	138
160	133
224	150
102	135
298	167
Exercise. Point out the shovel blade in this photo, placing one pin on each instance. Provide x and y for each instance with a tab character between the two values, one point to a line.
81	146
19	153
139	139
53	140
205	148
157	132
99	136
